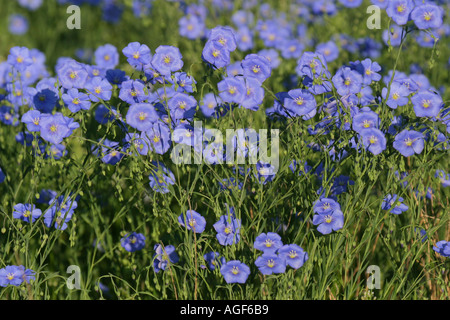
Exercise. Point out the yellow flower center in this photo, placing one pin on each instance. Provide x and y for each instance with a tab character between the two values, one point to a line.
107	57
395	96
292	254
142	116
156	139
215	53
270	263
256	69
426	103
19	59
167	60
401	8
53	128
73	75
235	270
408	142
136	55
10	276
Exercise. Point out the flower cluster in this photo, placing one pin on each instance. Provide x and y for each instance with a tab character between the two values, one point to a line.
328	215
277	256
58	214
15	276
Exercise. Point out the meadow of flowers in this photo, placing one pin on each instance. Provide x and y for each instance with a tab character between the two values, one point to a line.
96	204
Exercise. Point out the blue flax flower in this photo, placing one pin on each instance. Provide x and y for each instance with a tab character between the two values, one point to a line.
72	75
163	255
160	178
365	119
137	55
443	248
347	81
294	255
76	100
427	16
167	59
215	54
223	36
268	243
192	220
398	95
427	104
60	212
159	137
394	204
141	116
409	142
328	216
443	177
99	89
399	10
269	263
26	212
232	89
214	259
19	58
374	140
256	66
133	242
235	271
228	229
32	119
54	128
